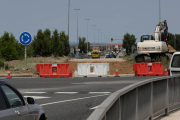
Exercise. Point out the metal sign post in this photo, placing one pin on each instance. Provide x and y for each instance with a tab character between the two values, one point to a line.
25	39
25	58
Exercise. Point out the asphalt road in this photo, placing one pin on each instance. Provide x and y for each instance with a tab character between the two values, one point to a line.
71	98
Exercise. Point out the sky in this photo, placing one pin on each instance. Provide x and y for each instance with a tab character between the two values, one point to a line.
113	17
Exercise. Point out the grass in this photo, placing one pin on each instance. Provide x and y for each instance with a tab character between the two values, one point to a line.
130	58
17	66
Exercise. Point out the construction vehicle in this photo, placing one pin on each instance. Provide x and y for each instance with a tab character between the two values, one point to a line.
153	48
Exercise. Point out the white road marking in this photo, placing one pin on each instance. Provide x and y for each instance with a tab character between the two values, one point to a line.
99	92
65	92
93	108
37	97
73	100
35	92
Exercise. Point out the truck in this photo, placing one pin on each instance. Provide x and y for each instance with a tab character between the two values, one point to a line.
154	48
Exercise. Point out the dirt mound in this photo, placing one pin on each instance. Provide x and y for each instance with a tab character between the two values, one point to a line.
123	67
171	49
17	66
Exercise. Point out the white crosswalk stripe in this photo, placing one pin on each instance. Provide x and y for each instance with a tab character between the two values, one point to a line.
37	97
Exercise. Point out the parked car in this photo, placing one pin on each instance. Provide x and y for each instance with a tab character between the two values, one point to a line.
174	66
71	55
110	56
107	56
13	106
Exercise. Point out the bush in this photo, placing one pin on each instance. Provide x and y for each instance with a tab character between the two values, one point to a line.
1	63
7	67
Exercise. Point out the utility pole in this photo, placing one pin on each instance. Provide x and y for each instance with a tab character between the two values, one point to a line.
77	28
101	39
98	37
68	18
94	35
87	35
160	17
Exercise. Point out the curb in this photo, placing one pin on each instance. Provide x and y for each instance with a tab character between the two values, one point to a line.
17	75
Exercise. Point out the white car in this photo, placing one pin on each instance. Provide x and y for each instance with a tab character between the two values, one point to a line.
174	66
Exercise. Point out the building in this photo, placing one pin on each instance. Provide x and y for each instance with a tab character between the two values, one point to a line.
108	47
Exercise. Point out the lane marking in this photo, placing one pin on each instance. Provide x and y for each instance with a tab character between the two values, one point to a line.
93	108
99	92
37	97
35	92
73	100
66	92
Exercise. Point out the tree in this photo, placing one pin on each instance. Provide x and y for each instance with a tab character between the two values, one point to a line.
8	47
83	45
37	43
64	39
57	45
20	50
128	42
177	42
30	50
46	45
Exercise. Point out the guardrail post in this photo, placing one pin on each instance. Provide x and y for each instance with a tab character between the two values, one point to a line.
151	104
167	99
137	103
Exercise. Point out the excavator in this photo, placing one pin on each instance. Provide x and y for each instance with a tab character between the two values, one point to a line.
154	48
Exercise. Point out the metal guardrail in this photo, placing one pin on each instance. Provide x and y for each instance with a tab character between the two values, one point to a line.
140	101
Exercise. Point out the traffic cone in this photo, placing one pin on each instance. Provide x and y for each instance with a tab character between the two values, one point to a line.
9	75
117	75
165	72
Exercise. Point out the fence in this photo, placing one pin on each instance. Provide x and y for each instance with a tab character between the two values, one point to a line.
141	101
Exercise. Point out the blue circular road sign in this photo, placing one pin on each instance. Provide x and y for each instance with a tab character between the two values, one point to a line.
25	38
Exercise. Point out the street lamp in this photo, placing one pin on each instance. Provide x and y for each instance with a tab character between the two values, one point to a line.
77	26
159	11
101	38
94	34
68	17
87	35
98	37
105	42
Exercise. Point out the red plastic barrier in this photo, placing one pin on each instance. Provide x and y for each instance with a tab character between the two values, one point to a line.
53	70
148	69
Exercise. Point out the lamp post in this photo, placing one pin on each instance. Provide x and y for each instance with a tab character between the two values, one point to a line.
160	15
87	35
105	42
98	37
94	34
77	27
159	11
68	17
101	37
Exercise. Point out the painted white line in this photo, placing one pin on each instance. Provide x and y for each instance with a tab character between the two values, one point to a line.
73	100
93	108
35	92
99	92
66	92
37	97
